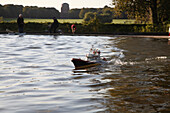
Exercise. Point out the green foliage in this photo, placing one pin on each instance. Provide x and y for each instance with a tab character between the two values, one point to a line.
35	12
35	27
12	11
1	19
74	13
104	16
107	10
86	10
88	16
144	11
1	10
93	26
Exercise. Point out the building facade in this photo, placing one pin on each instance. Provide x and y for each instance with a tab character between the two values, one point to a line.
64	11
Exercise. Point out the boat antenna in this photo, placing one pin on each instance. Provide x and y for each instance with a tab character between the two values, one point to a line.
91	48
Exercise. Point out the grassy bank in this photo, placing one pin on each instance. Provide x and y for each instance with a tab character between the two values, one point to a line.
101	28
27	20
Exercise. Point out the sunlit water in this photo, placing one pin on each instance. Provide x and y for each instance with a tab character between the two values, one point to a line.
37	75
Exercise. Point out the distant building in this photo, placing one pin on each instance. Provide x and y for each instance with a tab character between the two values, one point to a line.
64	11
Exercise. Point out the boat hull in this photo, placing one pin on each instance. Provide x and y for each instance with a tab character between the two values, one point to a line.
81	64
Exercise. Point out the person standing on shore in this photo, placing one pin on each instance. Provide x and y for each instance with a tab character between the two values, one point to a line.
169	37
73	28
54	25
20	22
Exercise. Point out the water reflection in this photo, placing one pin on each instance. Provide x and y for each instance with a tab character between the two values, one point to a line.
136	82
91	70
144	82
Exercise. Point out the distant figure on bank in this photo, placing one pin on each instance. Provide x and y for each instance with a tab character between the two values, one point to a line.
20	22
73	28
54	25
169	37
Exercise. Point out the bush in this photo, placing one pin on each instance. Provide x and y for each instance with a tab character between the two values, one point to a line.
92	26
88	16
103	18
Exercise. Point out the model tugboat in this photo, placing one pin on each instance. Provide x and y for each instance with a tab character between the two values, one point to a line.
93	59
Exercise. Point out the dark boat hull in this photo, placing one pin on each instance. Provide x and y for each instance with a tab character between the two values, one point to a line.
81	64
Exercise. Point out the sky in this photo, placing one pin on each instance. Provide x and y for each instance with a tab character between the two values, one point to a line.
57	3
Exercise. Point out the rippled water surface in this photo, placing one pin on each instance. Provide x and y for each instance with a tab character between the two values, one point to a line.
37	75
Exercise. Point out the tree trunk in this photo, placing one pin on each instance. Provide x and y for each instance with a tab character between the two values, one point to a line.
154	11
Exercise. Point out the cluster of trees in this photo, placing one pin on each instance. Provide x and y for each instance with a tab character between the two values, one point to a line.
155	11
74	13
80	13
12	11
38	12
105	15
1	19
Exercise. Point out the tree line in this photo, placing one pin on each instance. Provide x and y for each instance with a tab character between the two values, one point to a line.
80	13
12	11
103	15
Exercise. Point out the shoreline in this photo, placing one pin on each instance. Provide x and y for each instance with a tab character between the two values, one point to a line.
145	36
135	35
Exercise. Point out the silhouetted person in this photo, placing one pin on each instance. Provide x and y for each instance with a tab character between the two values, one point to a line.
54	25
20	22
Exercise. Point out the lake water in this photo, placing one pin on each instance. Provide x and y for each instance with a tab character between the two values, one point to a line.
37	75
